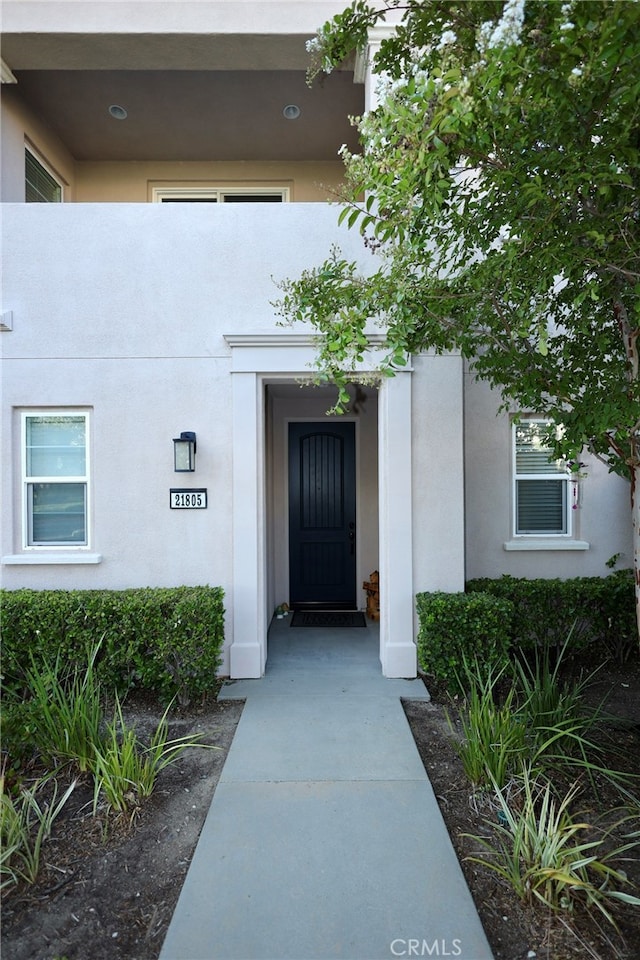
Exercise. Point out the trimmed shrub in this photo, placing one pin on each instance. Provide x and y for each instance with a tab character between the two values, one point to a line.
459	627
592	609
163	640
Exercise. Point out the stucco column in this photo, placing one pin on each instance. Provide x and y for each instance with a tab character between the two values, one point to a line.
248	650
397	647
364	60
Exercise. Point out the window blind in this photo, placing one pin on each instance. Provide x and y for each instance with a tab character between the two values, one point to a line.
541	507
40	186
541	485
532	455
252	198
55	478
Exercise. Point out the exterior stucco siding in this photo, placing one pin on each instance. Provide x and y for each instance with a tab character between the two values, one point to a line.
438	473
601	518
123	310
20	126
126	310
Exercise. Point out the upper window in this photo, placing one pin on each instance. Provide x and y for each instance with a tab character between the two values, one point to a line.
220	195
40	184
55	479
541	496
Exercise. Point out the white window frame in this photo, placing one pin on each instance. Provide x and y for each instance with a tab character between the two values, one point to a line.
562	475
37	156
27	482
158	194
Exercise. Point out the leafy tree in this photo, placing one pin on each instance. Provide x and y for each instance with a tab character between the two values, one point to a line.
498	183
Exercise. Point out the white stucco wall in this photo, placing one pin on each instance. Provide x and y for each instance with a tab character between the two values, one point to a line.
158	16
438	473
602	519
123	309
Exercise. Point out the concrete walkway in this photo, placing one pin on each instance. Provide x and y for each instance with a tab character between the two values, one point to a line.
324	839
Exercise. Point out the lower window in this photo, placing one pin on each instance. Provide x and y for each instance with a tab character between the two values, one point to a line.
55	478
541	496
220	195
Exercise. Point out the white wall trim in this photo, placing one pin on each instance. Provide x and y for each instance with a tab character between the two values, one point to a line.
6	74
541	544
17	559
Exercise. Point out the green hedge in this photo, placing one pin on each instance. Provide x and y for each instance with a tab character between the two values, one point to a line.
455	626
599	610
163	640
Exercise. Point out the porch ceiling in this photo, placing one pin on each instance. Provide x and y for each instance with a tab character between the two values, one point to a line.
188	96
286	390
194	114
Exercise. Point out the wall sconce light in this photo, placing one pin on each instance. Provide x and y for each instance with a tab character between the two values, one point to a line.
184	452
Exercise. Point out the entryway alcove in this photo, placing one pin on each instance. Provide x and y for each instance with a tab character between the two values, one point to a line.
266	374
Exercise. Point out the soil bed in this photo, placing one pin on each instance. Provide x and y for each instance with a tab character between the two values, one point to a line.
107	892
518	931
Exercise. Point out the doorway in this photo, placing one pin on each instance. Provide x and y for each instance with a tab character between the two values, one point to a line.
266	371
322	515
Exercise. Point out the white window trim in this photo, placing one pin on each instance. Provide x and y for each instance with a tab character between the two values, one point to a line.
34	559
535	543
62	550
47	166
538	541
158	194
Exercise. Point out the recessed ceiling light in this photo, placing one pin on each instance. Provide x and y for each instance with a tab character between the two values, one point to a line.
291	111
117	112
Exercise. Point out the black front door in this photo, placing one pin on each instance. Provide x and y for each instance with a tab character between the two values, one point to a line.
322	515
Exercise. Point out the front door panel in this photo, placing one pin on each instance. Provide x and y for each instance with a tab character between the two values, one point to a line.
322	515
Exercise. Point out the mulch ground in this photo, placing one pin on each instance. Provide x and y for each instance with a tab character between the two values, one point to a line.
107	889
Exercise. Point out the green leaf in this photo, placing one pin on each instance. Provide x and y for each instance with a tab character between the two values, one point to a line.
504	182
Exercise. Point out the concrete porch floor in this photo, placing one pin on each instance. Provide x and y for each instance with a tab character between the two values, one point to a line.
324	839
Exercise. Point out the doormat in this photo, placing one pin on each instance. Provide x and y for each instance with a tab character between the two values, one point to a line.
328	618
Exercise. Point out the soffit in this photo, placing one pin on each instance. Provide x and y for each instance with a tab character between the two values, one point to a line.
285	390
155	51
193	114
189	96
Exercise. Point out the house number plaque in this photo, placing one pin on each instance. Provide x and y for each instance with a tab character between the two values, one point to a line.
183	499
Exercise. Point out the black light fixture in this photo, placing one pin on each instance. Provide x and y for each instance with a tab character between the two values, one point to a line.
184	452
